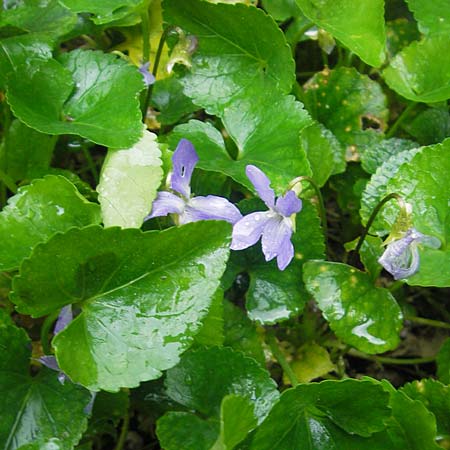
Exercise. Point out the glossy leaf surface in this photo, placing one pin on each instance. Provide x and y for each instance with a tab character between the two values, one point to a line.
359	313
21	222
122	280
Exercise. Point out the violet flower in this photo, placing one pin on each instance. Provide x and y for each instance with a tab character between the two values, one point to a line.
186	208
149	78
401	257
275	225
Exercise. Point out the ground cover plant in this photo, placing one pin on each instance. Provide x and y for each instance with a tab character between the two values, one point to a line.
225	224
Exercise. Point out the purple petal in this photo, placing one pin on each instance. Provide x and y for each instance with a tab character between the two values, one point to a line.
288	204
64	318
248	230
261	184
285	253
149	78
184	160
210	208
50	362
275	233
166	203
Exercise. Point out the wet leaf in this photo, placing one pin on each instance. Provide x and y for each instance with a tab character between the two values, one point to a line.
125	280
360	314
432	17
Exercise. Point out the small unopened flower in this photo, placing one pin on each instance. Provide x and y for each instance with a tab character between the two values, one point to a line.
189	209
401	257
275	226
148	77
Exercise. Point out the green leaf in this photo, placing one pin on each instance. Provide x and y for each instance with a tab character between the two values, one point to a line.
361	314
105	11
432	17
236	420
443	362
203	377
25	152
39	407
412	426
259	129
419	72
211	332
240	333
129	181
428	195
359	26
374	156
182	430
100	104
324	152
235	53
171	102
25	49
431	126
436	398
281	9
349	104
124	280
324	415
38	211
400	33
38	15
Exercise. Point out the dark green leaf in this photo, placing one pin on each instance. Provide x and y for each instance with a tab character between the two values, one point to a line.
359	26
349	104
129	181
35	408
419	72
281	9
235	53
430	126
443	362
324	416
370	252
374	156
211	332
436	398
100	104
125	280
400	33
37	16
361	314
203	377
38	211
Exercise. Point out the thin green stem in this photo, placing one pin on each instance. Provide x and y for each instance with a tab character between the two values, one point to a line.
322	211
428	322
45	331
374	215
393	361
8	181
123	431
91	163
148	97
279	356
145	26
400	119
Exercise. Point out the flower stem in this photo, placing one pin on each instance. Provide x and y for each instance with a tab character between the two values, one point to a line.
123	431
374	215
394	361
428	322
400	119
90	163
322	211
162	41
45	331
8	181
145	26
279	356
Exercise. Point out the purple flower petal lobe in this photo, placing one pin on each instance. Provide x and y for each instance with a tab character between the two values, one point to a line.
261	184
288	204
210	207
248	230
285	253
184	160
50	362
166	203
148	77
275	233
64	318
